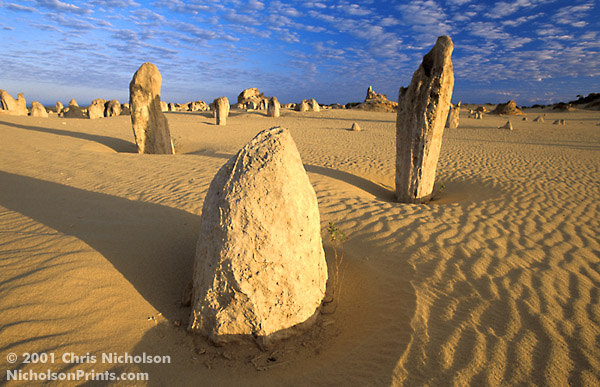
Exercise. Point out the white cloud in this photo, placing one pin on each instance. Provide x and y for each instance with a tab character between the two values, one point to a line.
503	9
115	3
19	8
244	19
427	18
310	4
255	4
389	21
59	6
355	10
573	15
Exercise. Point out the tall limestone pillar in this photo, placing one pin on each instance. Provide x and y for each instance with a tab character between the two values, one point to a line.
422	112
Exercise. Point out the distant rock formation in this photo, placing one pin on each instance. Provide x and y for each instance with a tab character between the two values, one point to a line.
563	107
509	108
314	105
303	106
164	107
96	109
559	122
508	126
355	127
453	116
126	111
377	103
538	119
8	103
198	106
221	110
150	126
38	110
112	108
422	112
250	95
260	271
263	104
373	95
59	107
73	111
289	106
273	108
21	105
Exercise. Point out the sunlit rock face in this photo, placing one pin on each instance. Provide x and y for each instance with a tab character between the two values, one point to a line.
260	270
422	112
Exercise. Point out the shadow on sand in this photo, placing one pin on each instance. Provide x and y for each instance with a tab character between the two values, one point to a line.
151	245
117	144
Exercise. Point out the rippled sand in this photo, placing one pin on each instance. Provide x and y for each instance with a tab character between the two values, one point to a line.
497	281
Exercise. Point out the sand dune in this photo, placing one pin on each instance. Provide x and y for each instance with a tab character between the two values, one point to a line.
494	282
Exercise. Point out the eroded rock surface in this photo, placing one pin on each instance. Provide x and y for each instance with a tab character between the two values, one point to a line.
150	126
260	269
422	112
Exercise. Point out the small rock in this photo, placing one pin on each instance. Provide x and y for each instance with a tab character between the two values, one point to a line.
355	127
508	126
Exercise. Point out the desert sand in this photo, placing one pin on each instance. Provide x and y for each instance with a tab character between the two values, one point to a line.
495	282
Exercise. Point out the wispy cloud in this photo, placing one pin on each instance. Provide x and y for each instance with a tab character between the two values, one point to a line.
59	6
114	3
427	18
503	9
574	15
18	7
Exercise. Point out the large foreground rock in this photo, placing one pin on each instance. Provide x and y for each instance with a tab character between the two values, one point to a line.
38	110
150	126
260	269
422	112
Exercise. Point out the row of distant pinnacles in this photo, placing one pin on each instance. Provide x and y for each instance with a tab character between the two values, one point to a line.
249	99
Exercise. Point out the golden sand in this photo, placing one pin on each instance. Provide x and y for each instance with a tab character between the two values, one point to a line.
497	281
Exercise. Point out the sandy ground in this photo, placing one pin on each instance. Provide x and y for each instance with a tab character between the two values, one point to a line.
496	282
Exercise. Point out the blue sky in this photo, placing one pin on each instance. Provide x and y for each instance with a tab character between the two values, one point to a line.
532	51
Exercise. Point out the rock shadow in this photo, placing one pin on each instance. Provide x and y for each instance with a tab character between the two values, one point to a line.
117	144
151	245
